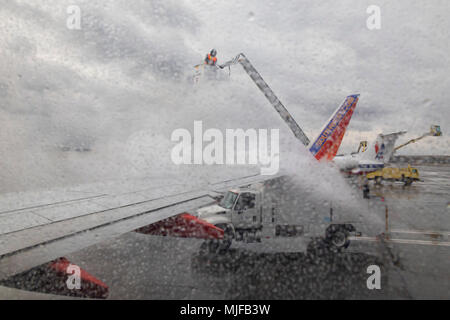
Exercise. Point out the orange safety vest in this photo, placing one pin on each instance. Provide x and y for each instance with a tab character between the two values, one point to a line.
213	59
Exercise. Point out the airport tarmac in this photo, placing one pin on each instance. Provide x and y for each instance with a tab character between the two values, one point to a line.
414	261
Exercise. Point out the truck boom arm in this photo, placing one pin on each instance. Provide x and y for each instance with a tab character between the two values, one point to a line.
435	131
269	94
411	141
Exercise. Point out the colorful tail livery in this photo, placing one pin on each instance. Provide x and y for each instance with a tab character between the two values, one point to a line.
327	143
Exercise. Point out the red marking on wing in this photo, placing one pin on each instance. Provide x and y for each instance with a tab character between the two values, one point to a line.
183	226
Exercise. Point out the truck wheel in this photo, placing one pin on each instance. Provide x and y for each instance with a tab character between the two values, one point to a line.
337	238
222	245
408	181
228	236
378	180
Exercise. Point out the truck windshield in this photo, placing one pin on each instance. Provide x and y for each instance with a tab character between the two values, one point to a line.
228	201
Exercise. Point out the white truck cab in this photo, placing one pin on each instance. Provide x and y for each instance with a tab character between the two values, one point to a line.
240	210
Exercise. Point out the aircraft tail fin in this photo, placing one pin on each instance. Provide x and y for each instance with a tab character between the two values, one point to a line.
326	145
383	147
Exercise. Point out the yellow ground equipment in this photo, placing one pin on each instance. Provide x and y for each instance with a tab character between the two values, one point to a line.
407	175
435	131
362	146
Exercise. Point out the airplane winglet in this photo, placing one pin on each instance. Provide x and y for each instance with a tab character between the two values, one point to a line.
90	285
56	277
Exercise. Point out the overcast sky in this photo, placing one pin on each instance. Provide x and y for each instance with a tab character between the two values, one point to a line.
123	83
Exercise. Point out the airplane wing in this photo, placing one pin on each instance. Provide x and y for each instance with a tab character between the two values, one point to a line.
38	227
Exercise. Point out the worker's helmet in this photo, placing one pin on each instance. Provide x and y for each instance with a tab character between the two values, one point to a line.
213	52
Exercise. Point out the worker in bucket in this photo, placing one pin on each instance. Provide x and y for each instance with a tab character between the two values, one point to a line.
211	58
